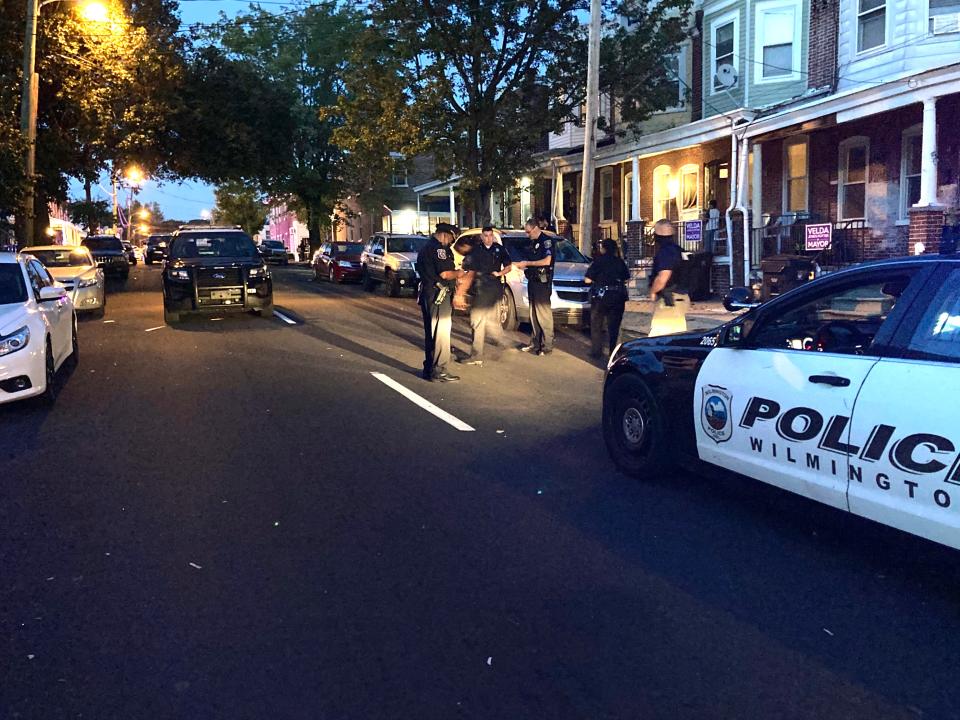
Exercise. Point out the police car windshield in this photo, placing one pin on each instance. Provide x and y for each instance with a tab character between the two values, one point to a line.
405	244
225	245
12	287
63	258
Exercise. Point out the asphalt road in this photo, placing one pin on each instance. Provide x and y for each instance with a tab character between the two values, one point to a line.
234	518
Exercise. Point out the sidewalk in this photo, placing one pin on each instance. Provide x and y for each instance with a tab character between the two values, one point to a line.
703	315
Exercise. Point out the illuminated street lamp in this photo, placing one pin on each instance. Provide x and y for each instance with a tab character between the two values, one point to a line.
143	214
91	11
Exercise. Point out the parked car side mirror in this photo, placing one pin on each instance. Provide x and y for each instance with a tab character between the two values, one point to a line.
51	293
739	298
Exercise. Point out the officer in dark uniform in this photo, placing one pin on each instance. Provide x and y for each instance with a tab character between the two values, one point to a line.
490	261
438	278
606	276
539	272
667	286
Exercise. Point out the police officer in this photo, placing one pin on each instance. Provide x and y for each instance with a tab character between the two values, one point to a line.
666	286
539	272
490	261
438	277
606	277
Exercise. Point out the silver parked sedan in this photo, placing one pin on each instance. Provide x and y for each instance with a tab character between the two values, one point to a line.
74	267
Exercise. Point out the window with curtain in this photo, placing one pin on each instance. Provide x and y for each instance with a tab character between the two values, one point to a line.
871	24
776	37
661	192
606	194
795	175
689	190
910	161
854	166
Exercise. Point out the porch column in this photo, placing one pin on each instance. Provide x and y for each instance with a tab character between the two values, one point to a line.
635	189
756	191
558	196
928	155
453	206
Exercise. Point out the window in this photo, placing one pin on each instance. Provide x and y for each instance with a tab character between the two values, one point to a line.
723	49
938	334
689	194
399	177
661	192
852	185
606	194
676	73
910	159
871	24
627	195
778	41
795	174
841	319
944	16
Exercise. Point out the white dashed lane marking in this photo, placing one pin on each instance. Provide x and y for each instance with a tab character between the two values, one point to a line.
423	403
283	317
158	327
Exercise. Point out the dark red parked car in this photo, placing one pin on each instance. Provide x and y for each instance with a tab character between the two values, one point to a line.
338	262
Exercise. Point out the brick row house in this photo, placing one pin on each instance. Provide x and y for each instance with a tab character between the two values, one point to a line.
788	112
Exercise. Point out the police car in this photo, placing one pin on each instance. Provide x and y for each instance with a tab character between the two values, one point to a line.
845	390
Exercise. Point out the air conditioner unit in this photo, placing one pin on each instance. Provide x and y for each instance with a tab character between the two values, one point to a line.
946	24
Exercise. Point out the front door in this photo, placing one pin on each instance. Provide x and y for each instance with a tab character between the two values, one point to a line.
778	409
906	425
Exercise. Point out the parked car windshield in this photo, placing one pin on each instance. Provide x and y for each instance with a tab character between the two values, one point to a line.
66	257
406	244
225	245
347	248
103	243
158	240
12	287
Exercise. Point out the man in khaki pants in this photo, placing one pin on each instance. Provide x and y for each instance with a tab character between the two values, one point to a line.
666	290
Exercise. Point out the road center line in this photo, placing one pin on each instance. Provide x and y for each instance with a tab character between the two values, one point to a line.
158	327
423	403
283	317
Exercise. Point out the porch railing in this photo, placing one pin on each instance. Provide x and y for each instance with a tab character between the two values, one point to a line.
679	233
848	245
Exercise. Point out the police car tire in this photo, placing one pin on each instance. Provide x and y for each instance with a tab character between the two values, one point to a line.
649	456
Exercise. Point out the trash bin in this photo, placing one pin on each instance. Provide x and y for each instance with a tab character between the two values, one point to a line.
696	274
784	272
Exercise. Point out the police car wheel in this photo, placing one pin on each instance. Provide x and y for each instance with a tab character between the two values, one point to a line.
633	428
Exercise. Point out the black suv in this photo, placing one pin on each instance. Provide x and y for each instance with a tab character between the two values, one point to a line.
109	254
214	270
156	248
274	251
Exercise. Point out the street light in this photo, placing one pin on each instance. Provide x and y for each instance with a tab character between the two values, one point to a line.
92	11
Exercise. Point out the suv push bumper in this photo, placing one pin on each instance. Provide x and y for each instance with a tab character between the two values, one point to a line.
186	297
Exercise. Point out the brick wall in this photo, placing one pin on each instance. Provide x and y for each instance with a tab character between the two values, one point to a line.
926	226
822	56
720	279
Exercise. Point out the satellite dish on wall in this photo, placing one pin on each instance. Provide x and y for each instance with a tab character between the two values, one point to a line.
726	76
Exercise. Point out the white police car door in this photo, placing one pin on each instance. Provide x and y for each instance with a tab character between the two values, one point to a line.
778	406
907	423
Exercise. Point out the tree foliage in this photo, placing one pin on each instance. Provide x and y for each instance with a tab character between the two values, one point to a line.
639	56
240	204
489	80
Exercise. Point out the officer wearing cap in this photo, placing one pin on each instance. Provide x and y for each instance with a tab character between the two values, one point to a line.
539	272
438	277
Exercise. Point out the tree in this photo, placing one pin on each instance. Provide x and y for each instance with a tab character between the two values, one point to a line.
489	80
639	55
240	204
92	214
303	54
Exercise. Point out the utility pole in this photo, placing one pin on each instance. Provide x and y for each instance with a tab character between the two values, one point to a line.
28	119
590	125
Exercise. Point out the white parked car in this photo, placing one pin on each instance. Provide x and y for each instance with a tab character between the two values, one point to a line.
75	269
38	329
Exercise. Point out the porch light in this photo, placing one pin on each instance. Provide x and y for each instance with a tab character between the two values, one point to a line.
673	187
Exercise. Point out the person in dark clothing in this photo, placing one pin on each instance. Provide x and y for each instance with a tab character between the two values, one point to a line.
490	262
666	286
606	277
438	276
539	272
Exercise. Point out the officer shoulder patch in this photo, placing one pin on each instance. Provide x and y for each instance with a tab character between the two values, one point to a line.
441	254
547	243
716	411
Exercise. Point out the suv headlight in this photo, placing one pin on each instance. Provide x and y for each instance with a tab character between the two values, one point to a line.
259	272
87	283
178	274
405	265
17	340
